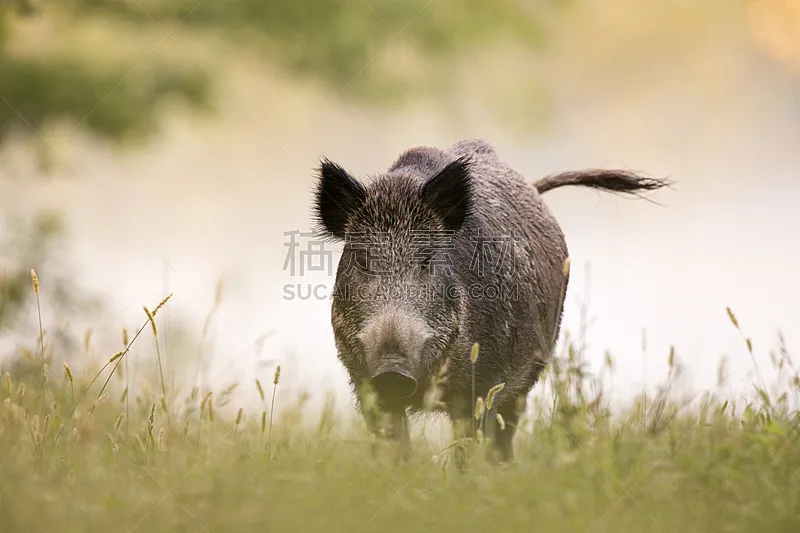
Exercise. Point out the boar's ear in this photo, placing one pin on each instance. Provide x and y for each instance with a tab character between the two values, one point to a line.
338	194
450	193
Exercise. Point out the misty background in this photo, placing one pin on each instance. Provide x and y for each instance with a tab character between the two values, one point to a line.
240	110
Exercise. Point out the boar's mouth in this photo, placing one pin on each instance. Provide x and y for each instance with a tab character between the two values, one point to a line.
394	383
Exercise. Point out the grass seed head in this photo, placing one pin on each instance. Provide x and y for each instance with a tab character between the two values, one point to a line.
493	392
161	304
609	362
722	371
151	320
277	375
479	407
204	401
473	354
101	399
732	317
87	339
68	372
774	360
28	354
260	389
114	445
124	336
35	280
229	390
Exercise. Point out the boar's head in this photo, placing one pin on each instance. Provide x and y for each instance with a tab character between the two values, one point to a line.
398	300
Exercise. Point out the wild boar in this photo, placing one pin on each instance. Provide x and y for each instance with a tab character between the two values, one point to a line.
448	248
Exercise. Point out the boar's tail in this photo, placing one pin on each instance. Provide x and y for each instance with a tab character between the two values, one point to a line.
617	181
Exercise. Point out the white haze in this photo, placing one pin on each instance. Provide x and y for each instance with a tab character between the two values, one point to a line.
725	237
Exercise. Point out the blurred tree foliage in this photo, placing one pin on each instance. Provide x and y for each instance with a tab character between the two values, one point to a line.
330	41
84	63
333	42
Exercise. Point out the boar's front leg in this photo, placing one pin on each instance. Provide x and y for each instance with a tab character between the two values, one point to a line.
391	427
463	429
387	422
501	449
398	432
500	435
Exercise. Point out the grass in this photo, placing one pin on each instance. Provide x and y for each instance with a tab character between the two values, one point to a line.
133	456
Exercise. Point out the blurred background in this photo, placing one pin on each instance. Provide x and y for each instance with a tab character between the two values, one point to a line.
150	147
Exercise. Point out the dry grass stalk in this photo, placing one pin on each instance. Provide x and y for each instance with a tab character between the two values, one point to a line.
35	281
116	360
151	319
275	381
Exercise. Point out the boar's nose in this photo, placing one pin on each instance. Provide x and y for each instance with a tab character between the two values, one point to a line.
394	383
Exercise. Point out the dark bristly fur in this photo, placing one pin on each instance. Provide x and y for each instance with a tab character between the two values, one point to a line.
390	335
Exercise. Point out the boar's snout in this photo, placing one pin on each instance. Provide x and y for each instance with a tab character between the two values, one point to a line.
393	341
394	383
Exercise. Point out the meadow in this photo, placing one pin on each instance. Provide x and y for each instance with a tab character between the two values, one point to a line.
96	451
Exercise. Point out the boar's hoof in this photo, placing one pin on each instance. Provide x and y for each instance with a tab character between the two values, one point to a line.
394	384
